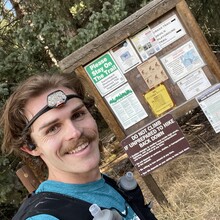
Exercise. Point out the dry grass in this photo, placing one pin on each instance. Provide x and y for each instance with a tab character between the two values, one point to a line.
191	182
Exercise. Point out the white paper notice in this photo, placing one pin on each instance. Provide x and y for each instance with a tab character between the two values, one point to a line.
125	56
145	43
194	83
168	31
182	61
126	106
209	102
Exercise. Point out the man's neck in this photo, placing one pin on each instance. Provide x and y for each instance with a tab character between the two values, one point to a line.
76	178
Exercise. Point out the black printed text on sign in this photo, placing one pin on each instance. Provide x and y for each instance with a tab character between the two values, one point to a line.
155	144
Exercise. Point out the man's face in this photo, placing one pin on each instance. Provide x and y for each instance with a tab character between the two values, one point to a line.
66	137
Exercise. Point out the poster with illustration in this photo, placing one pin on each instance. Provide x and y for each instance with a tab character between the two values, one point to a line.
152	72
182	61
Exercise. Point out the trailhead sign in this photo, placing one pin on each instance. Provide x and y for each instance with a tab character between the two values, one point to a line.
155	144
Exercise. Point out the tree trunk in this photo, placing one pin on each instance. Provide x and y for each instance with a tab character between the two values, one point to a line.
18	8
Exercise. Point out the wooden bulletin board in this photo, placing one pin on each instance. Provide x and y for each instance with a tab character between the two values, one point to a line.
152	63
156	16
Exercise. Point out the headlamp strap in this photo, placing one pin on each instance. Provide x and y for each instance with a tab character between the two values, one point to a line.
54	100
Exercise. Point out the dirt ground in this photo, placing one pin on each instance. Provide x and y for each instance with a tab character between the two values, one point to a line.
190	183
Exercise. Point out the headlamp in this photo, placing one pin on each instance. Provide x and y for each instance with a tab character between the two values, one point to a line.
54	100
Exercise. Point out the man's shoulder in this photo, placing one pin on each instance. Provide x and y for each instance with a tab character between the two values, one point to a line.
50	203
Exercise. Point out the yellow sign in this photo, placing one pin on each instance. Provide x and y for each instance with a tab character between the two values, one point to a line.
159	100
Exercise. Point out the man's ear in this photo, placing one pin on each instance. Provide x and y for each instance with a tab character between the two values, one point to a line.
31	151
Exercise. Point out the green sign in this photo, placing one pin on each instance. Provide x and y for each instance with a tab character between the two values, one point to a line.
101	68
105	74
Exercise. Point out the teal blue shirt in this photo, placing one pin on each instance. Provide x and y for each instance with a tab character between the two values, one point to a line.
98	192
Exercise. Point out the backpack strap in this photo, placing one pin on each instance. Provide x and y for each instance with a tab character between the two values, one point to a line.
134	198
56	204
63	206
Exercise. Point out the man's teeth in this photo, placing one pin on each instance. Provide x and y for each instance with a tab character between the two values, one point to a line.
79	148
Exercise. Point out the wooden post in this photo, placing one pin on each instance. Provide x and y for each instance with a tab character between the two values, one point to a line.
113	125
28	178
155	190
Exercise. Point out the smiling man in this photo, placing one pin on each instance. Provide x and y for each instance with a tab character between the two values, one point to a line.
48	118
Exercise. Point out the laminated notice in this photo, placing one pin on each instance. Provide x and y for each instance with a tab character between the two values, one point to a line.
159	100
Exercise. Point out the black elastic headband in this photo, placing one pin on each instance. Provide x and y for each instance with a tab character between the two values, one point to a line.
54	100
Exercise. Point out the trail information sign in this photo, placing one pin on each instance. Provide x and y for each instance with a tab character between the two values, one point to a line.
155	144
209	102
126	106
105	74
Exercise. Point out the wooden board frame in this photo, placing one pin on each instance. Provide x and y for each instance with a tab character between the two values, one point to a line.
126	28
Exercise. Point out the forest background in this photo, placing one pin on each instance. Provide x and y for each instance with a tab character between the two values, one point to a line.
36	34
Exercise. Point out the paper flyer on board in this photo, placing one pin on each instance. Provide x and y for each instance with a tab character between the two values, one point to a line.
159	100
209	102
105	74
126	106
152	72
182	61
145	43
168	31
125	56
193	84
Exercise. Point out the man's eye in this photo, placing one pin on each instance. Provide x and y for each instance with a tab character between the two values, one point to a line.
78	115
53	130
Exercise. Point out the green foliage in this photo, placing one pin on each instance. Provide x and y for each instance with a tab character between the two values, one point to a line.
4	92
206	13
11	190
32	39
99	22
111	13
39	33
42	35
26	44
9	181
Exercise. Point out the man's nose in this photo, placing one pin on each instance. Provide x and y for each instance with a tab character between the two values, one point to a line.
72	131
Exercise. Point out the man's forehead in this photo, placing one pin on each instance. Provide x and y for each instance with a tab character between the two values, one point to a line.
43	103
37	102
